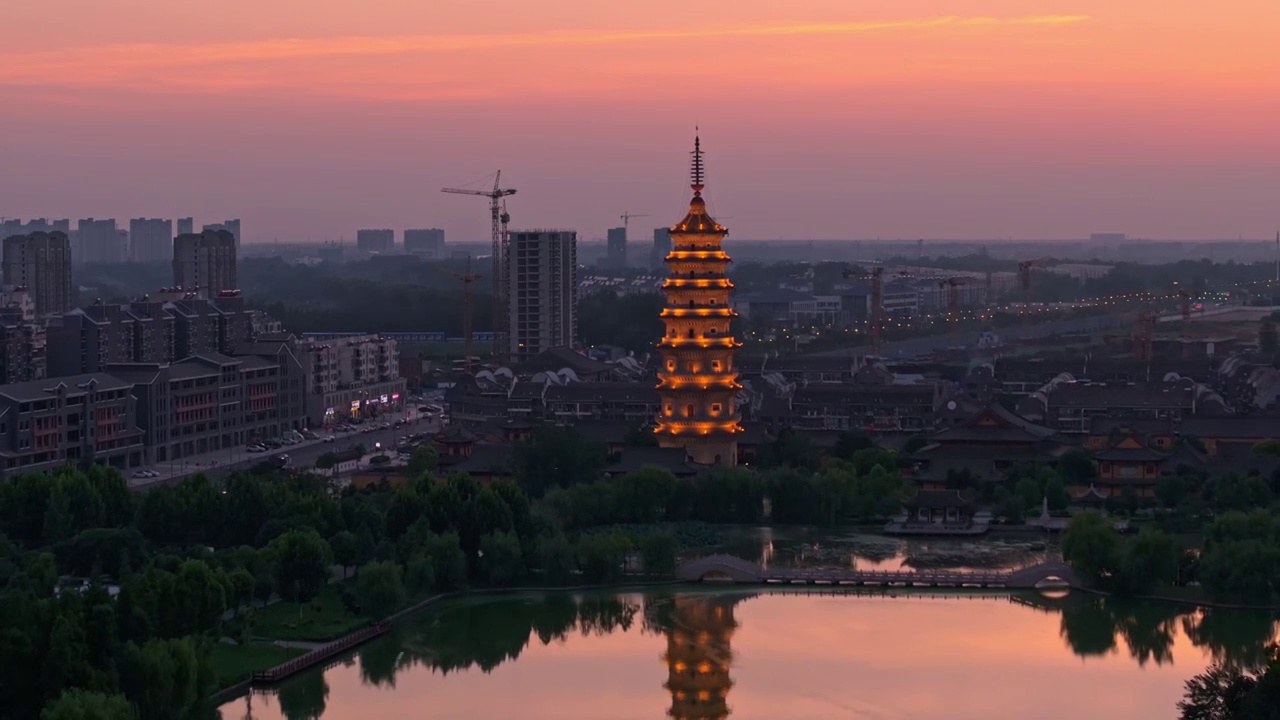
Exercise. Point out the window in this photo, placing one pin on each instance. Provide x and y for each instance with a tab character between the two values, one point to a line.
690	333
715	366
715	408
711	331
671	366
688	410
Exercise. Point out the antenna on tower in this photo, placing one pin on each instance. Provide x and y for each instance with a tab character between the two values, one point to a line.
696	170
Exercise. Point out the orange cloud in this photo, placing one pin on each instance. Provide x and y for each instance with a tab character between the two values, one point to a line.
146	65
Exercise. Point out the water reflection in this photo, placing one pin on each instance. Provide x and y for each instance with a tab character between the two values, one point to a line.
693	634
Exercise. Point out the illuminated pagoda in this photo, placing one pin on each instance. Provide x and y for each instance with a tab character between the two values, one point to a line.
698	657
697	381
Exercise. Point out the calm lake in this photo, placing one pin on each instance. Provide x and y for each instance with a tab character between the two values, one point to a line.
708	652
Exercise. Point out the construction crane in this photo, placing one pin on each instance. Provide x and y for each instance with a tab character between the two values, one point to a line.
626	218
1144	334
467	278
500	218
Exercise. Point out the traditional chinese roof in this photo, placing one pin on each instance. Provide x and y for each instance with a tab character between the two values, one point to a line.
994	423
937	500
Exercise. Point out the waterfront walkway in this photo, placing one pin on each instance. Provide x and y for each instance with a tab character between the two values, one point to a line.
720	567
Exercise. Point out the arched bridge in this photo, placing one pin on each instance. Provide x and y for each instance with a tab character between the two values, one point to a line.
745	571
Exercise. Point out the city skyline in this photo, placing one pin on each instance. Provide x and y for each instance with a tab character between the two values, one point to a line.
999	119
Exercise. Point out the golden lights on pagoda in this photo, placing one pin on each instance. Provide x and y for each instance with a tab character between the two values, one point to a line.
698	385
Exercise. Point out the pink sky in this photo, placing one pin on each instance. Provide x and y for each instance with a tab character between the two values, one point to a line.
822	119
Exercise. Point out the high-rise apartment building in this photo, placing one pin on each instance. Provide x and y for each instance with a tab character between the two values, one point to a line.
617	250
205	262
375	241
9	228
697	379
542	291
427	243
150	240
100	242
661	246
186	226
231	226
351	377
40	262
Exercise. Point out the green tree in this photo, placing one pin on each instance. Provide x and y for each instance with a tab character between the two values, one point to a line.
380	588
556	457
345	549
557	558
200	595
601	556
326	461
448	563
500	561
1151	560
77	704
302	565
423	460
658	553
1092	546
1056	493
420	575
166	679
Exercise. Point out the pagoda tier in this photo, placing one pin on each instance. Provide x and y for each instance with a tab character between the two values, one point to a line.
697	380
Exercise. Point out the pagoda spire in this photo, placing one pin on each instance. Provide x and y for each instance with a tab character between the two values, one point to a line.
696	169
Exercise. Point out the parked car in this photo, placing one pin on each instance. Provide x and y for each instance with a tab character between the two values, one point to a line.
255	448
140	474
327	439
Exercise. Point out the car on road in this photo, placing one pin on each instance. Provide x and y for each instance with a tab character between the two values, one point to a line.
385	426
256	448
141	474
327	439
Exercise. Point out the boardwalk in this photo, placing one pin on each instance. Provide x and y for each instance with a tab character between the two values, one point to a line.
743	571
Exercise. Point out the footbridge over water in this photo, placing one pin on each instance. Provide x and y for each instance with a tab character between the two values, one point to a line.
720	567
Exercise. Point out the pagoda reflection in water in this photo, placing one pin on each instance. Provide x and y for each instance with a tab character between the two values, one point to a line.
699	631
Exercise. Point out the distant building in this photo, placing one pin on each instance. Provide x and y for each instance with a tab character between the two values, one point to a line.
186	226
22	338
376	241
205	262
542	304
661	246
1108	238
100	242
150	240
428	243
1080	271
9	228
40	262
351	378
231	226
166	327
617	250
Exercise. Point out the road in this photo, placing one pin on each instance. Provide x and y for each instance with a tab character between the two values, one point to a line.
303	455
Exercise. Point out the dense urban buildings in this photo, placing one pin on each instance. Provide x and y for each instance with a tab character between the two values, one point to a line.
9	228
205	262
150	240
350	378
22	336
542	291
375	241
616	254
165	327
186	226
47	423
99	241
231	226
427	243
697	378
41	263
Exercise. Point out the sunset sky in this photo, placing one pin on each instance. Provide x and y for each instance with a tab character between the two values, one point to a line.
821	119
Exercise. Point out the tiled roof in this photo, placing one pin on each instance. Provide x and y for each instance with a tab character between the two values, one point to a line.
75	384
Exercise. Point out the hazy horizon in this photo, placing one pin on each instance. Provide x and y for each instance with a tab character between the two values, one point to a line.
996	119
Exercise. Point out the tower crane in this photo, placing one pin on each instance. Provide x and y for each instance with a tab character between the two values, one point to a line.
626	218
499	218
467	278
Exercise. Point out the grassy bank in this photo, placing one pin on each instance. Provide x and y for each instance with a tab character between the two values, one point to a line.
324	618
234	663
